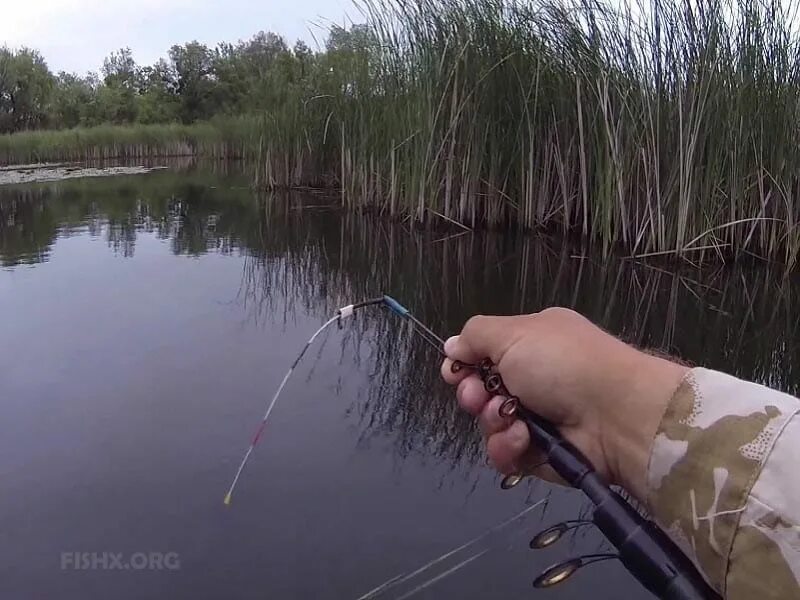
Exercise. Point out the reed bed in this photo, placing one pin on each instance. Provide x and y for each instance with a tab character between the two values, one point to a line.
659	128
663	128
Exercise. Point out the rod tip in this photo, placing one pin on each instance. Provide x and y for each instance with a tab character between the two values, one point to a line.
227	500
395	306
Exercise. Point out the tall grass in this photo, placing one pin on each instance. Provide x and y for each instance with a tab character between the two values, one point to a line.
669	127
231	137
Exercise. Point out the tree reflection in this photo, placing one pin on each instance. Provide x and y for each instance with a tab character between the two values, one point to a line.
196	213
27	229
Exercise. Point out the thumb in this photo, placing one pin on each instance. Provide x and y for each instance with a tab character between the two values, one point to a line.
483	337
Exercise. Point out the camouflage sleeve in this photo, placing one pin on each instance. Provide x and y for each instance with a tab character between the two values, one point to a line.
723	483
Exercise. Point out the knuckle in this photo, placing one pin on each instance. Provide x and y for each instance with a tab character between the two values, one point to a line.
474	325
502	456
493	415
495	447
558	314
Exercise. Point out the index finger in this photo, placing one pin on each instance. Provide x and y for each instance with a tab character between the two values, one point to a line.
457	350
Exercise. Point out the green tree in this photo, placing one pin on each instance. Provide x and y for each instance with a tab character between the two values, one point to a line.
26	86
158	99
232	79
348	61
193	66
260	74
255	74
74	99
305	58
118	95
262	51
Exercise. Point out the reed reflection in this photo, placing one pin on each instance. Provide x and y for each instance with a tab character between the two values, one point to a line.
301	255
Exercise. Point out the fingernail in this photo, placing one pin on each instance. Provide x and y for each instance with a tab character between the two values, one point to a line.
449	345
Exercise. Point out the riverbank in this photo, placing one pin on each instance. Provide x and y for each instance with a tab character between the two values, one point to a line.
670	131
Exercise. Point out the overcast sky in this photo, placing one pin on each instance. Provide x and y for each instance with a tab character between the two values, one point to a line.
75	35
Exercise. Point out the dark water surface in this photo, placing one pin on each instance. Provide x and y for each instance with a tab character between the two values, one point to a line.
145	322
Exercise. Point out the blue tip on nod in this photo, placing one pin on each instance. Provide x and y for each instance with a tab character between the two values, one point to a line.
395	306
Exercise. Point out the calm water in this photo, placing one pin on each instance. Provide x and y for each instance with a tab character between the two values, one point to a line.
146	320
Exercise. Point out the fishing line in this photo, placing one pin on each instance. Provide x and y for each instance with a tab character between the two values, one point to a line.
343	313
426	334
400	579
441	576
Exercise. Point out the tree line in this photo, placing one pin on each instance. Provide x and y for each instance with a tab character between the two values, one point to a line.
194	82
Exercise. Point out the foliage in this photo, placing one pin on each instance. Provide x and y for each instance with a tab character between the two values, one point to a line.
74	101
667	127
25	87
195	83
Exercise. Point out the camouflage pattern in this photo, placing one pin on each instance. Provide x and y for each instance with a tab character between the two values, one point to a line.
722	484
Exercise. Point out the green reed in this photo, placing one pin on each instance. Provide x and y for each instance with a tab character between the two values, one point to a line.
230	137
668	127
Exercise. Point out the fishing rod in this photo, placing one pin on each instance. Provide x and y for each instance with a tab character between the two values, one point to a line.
343	313
642	547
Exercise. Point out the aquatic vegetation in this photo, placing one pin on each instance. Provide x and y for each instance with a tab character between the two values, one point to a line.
667	127
662	128
228	138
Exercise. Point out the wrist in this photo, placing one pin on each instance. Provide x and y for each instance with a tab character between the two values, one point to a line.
650	384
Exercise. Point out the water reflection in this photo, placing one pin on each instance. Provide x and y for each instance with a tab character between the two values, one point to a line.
736	318
195	336
192	213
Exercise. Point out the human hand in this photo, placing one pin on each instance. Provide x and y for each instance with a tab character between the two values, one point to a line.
606	397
